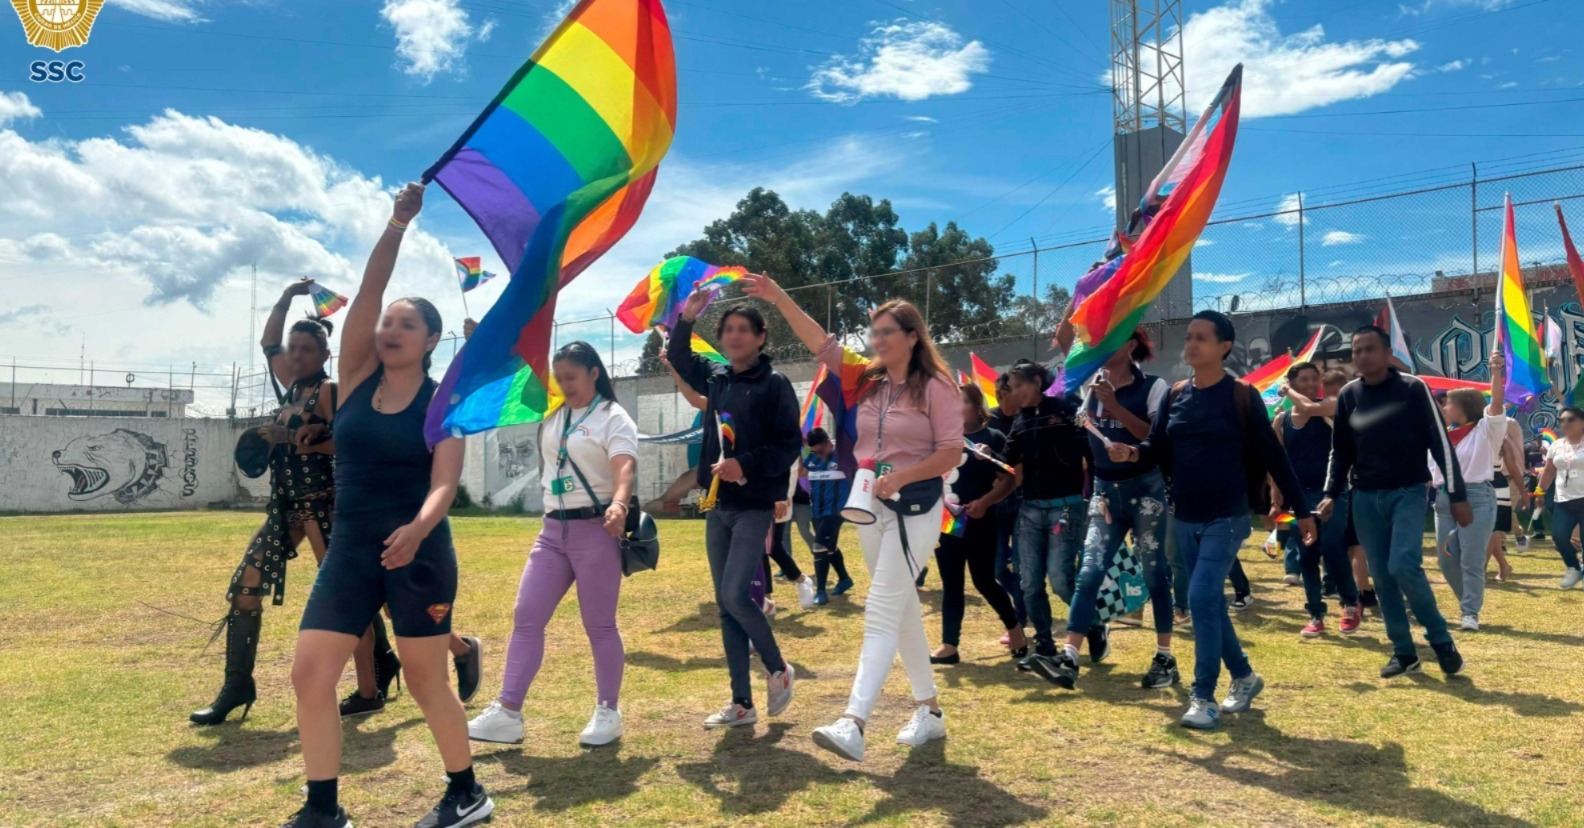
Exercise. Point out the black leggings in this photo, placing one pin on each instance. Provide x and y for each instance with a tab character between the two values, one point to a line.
781	550
977	550
1240	581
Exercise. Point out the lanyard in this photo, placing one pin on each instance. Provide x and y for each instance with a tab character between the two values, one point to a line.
885	412
567	427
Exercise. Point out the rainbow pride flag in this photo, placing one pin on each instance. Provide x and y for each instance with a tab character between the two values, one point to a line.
728	433
555	171
1268	377
1547	437
326	301
954	521
704	349
1527	377
813	413
657	298
985	377
840	391
1575	266
1180	199
471	273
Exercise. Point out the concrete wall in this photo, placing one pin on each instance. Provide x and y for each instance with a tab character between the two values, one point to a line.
101	464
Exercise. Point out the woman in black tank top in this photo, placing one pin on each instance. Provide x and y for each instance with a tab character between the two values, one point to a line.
392	545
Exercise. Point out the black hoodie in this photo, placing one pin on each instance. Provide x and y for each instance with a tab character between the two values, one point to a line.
764	416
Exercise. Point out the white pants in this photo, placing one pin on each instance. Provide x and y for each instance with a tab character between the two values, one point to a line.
892	622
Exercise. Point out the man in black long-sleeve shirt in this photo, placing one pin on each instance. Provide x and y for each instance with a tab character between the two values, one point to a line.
1386	425
1206	440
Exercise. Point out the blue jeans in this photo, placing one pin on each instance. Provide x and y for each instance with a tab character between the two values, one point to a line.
1390	526
1209	550
1137	506
1050	534
1006	513
1331	551
1563	518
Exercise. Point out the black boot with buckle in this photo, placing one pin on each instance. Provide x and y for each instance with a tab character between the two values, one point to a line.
242	639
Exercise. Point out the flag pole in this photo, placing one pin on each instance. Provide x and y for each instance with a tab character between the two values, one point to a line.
463	288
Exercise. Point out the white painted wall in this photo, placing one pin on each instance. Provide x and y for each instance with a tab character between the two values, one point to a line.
99	464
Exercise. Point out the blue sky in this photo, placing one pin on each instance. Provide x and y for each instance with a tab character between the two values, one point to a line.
210	136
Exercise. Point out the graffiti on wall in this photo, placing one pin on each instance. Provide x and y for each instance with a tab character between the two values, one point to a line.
511	470
127	465
1462	350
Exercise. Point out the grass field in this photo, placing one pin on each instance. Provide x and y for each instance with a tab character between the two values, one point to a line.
95	689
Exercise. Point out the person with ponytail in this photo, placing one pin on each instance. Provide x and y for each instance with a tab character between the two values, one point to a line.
588	455
910	427
392	546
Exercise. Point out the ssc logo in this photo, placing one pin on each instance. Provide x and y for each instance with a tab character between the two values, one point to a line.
57	24
55	71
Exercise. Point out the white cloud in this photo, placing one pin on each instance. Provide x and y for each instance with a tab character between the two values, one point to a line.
915	134
1332	238
15	106
486	30
1508	85
1287	210
1284	73
1454	66
922	119
175	11
431	35
908	61
1107	196
1220	278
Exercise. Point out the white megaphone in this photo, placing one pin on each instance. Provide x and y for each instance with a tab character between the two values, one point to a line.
860	503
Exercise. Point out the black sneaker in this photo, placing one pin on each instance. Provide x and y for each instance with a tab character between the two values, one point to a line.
1060	670
310	818
460	809
356	705
1400	664
1450	659
1026	663
470	668
1099	643
1162	672
1367	599
1242	602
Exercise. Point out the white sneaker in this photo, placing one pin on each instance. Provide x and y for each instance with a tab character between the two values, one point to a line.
496	724
1523	543
842	738
805	591
605	727
1470	623
1572	577
923	728
1292	580
1243	692
732	715
778	690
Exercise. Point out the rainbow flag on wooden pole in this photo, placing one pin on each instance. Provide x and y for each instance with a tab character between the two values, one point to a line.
555	171
1515	328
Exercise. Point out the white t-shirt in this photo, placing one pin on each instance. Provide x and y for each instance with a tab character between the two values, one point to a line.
596	436
1478	453
1569	462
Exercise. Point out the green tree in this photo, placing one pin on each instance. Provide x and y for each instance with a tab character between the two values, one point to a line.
1038	316
951	276
649	362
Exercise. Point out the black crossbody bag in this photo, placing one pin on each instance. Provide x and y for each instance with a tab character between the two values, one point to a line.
640	541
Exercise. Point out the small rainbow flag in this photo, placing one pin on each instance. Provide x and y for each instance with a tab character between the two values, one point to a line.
813	413
985	377
1268	377
471	273
657	299
326	301
704	349
840	391
1515	329
1547	437
1286	519
953	521
727	432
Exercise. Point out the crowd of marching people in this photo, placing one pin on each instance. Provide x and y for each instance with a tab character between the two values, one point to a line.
1135	493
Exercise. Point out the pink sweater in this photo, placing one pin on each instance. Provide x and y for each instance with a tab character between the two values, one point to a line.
913	430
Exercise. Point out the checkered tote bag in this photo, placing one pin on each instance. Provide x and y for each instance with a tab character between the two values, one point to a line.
1124	590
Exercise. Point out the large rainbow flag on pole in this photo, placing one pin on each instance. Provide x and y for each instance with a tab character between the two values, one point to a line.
1180	199
840	391
1575	266
1515	328
985	377
555	171
658	297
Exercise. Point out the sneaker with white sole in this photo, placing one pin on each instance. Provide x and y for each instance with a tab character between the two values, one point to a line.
496	724
1470	623
732	715
1202	714
923	728
779	690
842	738
458	809
805	591
605	727
1572	577
1292	580
1314	629
1243	692
1242	602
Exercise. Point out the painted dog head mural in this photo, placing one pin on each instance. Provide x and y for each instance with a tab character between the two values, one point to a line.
123	463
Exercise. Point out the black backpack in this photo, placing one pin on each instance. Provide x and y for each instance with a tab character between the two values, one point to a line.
1255	475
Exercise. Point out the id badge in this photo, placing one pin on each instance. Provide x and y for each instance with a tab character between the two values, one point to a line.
882	469
562	486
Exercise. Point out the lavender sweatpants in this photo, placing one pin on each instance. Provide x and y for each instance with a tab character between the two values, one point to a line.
567	552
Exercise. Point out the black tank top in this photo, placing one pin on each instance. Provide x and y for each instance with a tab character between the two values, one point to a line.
382	462
1309	450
